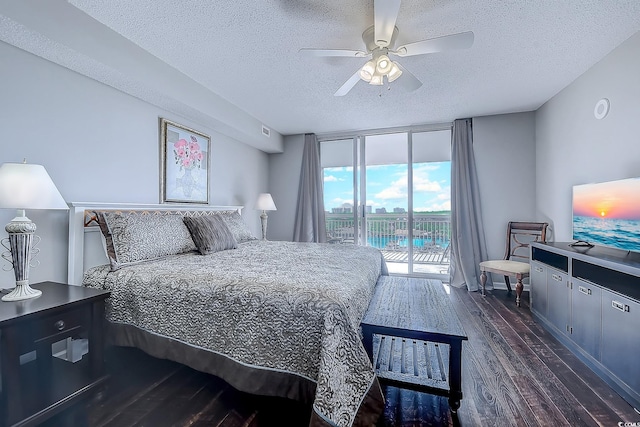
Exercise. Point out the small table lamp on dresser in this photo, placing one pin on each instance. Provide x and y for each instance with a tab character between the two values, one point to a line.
264	204
24	186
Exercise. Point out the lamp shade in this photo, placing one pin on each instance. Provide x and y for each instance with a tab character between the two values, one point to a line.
394	73
367	70
28	186
377	79
265	202
383	65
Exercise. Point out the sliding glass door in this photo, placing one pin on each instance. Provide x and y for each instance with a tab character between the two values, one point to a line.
384	188
341	183
431	202
391	191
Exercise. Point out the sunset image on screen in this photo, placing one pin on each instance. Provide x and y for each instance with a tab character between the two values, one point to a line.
608	214
616	200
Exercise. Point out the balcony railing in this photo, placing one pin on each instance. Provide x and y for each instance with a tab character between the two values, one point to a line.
389	233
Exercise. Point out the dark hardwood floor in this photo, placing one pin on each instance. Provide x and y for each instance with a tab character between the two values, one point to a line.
514	374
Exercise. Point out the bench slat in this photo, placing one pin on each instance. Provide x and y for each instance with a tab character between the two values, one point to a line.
412	361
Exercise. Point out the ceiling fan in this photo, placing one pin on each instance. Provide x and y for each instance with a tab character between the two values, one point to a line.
379	40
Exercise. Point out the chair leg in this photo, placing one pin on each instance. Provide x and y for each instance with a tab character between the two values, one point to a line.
519	288
507	282
483	281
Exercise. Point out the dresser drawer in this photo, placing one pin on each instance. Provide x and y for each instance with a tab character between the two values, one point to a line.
60	323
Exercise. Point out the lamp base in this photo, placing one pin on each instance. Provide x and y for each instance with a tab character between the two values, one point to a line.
21	236
263	220
21	292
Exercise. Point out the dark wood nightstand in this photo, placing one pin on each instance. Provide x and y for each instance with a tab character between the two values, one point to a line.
37	338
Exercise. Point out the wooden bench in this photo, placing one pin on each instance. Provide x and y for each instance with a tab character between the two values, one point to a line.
414	337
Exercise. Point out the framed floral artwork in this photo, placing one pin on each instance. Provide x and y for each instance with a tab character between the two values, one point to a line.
184	163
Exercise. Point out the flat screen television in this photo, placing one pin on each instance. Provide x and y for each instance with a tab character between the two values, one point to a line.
608	214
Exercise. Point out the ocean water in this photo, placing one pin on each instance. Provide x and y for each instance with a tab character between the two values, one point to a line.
619	233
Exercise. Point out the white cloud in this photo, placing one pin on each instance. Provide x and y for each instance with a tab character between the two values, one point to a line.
397	190
339	202
331	178
445	206
423	185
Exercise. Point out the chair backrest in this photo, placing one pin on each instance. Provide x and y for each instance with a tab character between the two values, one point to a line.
520	235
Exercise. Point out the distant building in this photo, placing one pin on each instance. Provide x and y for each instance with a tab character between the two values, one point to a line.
367	209
342	210
399	210
381	210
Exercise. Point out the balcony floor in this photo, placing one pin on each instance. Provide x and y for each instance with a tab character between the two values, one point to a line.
423	262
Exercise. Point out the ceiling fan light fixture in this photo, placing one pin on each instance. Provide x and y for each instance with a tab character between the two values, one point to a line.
377	79
367	71
394	73
383	65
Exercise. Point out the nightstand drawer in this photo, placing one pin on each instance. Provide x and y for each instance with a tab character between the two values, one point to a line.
60	323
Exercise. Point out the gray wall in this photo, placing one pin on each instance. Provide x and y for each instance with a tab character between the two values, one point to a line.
284	180
99	144
504	148
573	147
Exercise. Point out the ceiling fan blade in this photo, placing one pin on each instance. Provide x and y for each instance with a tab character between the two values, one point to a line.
438	44
407	80
385	13
333	52
348	85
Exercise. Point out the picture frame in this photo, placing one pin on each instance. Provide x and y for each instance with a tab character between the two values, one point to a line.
184	164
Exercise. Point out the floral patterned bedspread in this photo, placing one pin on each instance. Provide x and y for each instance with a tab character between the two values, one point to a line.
282	306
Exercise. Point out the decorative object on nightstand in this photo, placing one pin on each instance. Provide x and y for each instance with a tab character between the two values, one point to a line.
264	204
24	186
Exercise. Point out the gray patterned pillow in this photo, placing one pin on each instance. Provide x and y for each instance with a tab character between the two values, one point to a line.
210	234
237	226
136	237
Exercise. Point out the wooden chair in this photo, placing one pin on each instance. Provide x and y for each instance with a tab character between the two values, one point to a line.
519	236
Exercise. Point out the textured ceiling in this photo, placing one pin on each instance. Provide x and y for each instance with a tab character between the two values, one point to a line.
246	52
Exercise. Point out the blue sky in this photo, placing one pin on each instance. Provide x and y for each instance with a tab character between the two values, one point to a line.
387	186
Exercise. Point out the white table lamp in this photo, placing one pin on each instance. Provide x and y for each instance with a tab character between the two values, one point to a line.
264	204
24	186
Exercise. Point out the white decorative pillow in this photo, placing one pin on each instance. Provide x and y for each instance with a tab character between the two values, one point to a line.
134	237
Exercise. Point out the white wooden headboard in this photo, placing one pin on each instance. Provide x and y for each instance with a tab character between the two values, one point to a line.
85	241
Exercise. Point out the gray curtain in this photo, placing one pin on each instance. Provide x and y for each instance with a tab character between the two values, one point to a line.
309	225
468	246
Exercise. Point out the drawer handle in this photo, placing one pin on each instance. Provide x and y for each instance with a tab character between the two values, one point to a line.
556	277
539	269
620	306
584	290
59	325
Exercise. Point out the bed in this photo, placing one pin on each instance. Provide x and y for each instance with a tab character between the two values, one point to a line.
270	318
